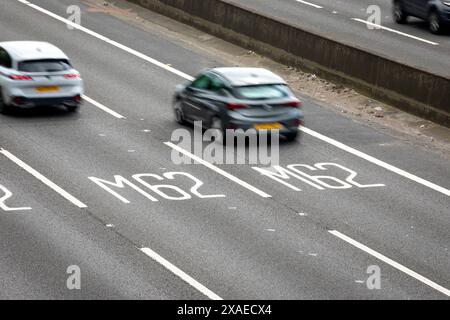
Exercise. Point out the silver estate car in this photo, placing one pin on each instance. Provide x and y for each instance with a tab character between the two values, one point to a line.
239	98
35	74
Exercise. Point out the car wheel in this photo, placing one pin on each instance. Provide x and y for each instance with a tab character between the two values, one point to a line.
73	108
179	116
291	136
217	125
434	23
399	13
4	108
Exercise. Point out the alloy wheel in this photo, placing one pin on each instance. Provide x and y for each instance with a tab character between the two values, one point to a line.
434	23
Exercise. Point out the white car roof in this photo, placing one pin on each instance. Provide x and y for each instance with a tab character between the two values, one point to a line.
239	76
32	50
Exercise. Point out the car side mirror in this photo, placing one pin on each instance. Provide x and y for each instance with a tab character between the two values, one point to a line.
179	88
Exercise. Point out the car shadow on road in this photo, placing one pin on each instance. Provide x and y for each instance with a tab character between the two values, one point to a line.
48	112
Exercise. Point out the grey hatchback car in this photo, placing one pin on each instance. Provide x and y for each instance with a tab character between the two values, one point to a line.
239	98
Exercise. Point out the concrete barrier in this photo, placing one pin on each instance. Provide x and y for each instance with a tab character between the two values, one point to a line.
406	87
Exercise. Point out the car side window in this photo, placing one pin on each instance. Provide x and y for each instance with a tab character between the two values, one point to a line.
209	83
5	59
216	84
203	82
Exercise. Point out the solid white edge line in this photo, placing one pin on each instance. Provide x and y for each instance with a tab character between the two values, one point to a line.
180	273
376	161
218	170
395	31
391	262
310	4
102	107
43	179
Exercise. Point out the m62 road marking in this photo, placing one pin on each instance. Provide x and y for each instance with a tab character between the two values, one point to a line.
320	182
7	195
177	193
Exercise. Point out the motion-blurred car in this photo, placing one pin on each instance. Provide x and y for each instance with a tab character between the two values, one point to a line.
239	98
34	74
435	12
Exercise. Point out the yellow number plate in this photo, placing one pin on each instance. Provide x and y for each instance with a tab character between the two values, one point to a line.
47	89
268	126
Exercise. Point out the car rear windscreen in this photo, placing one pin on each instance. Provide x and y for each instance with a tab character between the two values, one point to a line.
48	65
259	92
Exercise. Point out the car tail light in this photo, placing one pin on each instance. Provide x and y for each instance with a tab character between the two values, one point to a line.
235	106
72	75
77	98
295	104
20	77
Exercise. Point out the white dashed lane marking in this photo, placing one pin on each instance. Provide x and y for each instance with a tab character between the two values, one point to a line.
309	4
43	179
391	262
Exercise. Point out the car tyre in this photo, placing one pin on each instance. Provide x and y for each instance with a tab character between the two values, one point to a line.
4	108
73	108
434	22
291	136
400	16
179	116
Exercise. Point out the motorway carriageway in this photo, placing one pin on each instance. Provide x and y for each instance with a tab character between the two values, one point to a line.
241	234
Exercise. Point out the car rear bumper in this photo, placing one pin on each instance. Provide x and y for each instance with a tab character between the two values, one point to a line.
288	122
25	103
26	91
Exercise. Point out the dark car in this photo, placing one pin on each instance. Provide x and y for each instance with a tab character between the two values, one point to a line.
435	12
239	98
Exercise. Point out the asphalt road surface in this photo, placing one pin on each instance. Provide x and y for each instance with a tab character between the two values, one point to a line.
346	21
254	237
